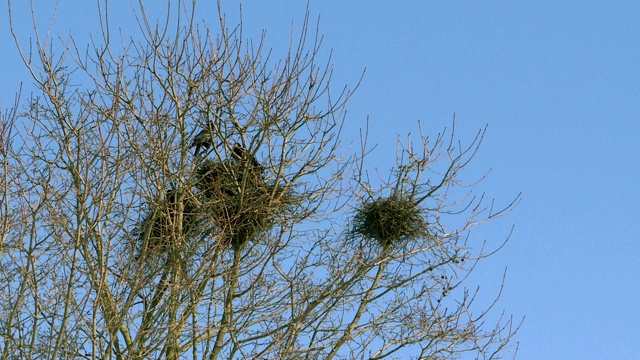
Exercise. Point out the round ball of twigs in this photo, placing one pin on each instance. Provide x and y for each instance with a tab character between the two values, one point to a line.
390	220
238	199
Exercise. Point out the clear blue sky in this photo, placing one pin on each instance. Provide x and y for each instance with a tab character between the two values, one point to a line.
559	85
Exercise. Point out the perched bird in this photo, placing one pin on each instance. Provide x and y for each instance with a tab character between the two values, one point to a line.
242	154
203	140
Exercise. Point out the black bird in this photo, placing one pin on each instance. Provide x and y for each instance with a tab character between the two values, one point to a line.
202	140
242	154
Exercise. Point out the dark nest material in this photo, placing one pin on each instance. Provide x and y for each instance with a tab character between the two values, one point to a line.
161	228
238	199
390	220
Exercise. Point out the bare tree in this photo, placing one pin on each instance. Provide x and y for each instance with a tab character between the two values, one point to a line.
119	242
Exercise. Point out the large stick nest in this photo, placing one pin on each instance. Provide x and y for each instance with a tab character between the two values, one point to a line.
390	220
231	200
238	199
165	221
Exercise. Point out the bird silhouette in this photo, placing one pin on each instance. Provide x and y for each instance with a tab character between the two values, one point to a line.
242	154
203	140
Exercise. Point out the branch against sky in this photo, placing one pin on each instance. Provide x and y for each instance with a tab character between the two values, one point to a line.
265	242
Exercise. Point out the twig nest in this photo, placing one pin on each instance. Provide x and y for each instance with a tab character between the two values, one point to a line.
390	220
166	222
238	199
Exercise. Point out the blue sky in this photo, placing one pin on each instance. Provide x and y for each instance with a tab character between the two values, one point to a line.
558	83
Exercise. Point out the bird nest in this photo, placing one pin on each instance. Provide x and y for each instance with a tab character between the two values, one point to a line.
166	222
390	220
231	201
238	199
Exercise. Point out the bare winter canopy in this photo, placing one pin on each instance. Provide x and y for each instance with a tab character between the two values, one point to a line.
185	194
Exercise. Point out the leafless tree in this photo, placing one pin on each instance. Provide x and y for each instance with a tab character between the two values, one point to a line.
119	242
